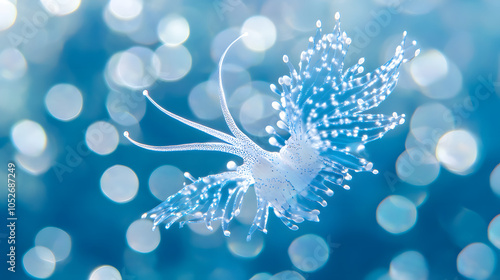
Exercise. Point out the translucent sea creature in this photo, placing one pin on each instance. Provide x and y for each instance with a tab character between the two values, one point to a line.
322	109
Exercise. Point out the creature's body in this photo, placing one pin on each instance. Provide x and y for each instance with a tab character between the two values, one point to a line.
321	106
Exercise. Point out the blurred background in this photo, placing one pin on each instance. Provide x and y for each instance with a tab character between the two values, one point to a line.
71	77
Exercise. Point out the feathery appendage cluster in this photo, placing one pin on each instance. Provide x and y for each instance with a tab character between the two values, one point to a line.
322	108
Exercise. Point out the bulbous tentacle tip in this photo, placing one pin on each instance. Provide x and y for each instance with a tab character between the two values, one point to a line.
126	134
145	92
227	233
337	16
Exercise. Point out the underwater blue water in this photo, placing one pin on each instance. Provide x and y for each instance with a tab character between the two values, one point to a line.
81	187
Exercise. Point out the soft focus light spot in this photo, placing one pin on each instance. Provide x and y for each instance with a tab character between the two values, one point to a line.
135	68
60	7
141	237
429	67
261	33
102	138
431	121
417	167
119	183
64	102
29	137
410	265
476	261
495	180
261	276
105	272
125	9
457	151
12	62
309	252
8	14
439	77
120	25
174	62
39	262
204	100
130	69
494	231
56	240
467	227
126	108
239	246
173	30
287	275
165	181
36	165
396	214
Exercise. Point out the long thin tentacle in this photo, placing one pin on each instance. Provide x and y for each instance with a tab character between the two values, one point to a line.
221	135
223	103
218	147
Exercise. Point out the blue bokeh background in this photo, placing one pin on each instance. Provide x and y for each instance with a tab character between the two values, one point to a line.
63	190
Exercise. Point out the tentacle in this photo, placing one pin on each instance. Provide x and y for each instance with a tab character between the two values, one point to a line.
210	131
200	201
223	103
218	147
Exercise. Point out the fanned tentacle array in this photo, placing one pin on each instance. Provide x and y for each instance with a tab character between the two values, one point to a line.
326	102
211	198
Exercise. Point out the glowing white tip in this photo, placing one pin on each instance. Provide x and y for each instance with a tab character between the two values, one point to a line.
144	216
285	58
125	134
318	24
145	92
346	187
231	165
404	33
227	233
337	16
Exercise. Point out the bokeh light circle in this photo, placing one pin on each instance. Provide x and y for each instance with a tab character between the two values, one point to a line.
173	30
410	265
417	167
141	237
56	240
287	275
105	272
495	180
457	150
396	214
39	262
239	246
8	14
494	231
29	137
61	7
261	33
64	102
476	261
12	62
204	100
261	276
430	121
119	183
439	77
165	181
309	252
102	138
174	62
125	9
